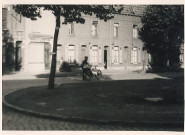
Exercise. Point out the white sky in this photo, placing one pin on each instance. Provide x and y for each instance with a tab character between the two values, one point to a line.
44	25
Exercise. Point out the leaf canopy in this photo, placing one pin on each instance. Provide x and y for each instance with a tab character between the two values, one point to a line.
71	13
163	26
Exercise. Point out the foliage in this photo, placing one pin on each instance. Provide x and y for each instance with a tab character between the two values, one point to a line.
163	31
65	67
71	13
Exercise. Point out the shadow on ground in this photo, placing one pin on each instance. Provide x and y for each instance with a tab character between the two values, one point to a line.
75	74
119	75
163	73
152	101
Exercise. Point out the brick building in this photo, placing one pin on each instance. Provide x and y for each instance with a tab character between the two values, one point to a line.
27	45
111	44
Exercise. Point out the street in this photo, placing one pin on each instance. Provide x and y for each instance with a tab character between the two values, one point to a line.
13	120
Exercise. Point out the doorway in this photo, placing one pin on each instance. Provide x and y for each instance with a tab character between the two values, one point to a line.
83	52
18	57
105	57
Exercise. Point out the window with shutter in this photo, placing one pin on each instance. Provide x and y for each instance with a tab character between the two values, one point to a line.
134	55
135	31
116	29
94	54
71	28
94	28
71	53
115	55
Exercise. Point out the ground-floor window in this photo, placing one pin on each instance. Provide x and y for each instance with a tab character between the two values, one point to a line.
134	55
115	55
95	54
71	53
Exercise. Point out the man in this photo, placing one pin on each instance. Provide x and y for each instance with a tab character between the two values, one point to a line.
84	66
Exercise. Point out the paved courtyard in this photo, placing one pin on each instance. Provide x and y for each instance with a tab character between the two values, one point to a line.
13	120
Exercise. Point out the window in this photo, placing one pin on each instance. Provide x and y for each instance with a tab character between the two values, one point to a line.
134	55
71	53
116	29
94	28
115	54
135	31
4	18
71	28
182	56
95	54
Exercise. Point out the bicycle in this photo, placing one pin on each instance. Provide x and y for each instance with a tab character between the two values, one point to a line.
92	72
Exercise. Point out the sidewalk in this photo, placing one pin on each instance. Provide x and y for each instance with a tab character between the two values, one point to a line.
74	73
108	74
152	101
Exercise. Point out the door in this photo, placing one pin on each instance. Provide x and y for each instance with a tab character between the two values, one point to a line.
18	61
83	52
105	59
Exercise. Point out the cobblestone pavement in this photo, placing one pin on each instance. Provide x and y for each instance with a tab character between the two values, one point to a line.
13	120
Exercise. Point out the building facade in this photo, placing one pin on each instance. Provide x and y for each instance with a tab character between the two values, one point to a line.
13	37
112	44
24	47
27	45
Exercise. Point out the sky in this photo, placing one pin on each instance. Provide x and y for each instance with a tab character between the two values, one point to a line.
43	25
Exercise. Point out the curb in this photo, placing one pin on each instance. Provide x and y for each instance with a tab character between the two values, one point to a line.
81	119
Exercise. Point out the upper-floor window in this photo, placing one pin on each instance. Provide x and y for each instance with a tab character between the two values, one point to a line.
116	29
135	31
71	28
94	28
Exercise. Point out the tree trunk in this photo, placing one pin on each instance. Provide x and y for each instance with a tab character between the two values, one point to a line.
51	82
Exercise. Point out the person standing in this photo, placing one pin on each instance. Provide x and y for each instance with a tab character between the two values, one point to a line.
84	66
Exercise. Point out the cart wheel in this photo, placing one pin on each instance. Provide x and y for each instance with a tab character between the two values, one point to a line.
99	75
87	75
